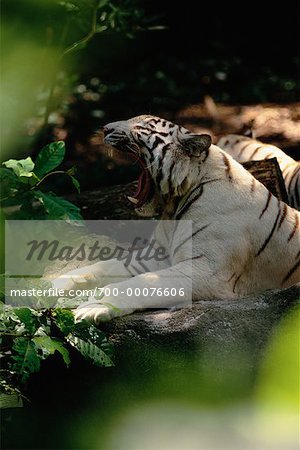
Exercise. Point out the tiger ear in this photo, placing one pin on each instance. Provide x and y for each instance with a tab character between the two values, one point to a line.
195	144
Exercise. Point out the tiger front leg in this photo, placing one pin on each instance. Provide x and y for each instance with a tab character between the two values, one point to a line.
161	289
95	275
103	273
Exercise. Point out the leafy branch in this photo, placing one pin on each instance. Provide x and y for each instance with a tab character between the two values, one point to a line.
96	16
20	182
83	41
28	337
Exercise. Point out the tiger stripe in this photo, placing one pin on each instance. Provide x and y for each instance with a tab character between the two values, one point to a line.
236	282
296	171
255	151
267	204
206	155
284	213
169	179
158	140
227	167
243	149
294	229
233	275
270	235
189	237
269	155
192	258
191	199
164	152
290	273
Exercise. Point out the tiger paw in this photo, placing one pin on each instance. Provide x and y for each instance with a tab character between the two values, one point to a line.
98	311
75	279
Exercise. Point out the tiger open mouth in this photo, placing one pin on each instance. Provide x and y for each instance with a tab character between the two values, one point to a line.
145	187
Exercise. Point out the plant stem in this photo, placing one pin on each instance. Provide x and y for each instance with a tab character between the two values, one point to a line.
48	175
86	38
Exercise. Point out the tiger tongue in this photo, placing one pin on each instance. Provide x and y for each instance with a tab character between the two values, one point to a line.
143	188
141	194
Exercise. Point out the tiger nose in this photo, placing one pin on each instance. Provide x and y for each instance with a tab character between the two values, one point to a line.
110	127
106	131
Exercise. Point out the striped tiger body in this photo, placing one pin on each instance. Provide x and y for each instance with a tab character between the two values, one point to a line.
245	149
244	240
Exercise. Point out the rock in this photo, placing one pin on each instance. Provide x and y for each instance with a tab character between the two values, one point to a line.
243	324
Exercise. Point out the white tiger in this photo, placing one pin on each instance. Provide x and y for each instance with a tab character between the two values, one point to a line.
243	148
244	239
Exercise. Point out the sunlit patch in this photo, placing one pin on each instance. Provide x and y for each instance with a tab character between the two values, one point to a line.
178	425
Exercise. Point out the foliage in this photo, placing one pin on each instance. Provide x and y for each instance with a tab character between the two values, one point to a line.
90	18
21	179
97	16
41	62
29	336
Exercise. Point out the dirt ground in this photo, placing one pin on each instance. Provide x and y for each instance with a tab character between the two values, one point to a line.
277	124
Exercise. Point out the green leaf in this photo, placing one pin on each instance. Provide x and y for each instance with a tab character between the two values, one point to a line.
64	319
70	302
91	351
49	345
9	176
27	318
26	359
102	3
85	330
70	7
49	158
58	208
92	343
21	167
76	184
9	182
72	170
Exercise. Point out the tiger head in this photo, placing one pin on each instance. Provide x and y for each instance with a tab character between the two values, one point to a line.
166	153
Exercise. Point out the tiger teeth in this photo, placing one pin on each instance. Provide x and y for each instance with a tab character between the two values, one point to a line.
133	200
